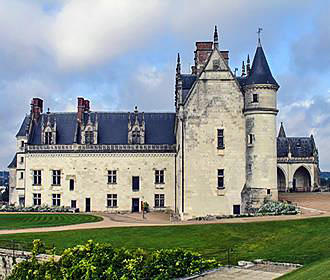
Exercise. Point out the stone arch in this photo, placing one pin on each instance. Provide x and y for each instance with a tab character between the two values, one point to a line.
301	180
281	180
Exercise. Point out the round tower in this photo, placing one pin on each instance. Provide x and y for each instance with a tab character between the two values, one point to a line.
260	112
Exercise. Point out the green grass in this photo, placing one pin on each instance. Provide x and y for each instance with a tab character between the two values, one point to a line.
300	241
317	271
19	221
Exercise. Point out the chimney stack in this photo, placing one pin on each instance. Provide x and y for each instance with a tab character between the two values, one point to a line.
80	108
202	53
36	108
87	105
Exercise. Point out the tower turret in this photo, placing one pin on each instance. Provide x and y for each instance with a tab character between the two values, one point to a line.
260	112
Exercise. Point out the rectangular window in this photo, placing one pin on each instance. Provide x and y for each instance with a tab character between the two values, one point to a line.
56	177
250	138
268	191
56	199
135	183
73	203
112	176
159	177
255	98
48	138
22	159
159	200
22	144
37	177
89	137
71	185
112	200
36	199
21	175
221	176
220	139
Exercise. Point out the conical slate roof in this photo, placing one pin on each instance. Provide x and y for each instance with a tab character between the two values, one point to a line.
281	133
260	73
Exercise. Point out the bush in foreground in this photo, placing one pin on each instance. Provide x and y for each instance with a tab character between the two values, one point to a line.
102	261
271	207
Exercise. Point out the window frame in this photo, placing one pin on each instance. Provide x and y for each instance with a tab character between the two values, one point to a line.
71	186
48	137
112	200
159	200
220	138
56	177
75	203
112	177
134	180
89	137
255	98
221	179
37	179
36	199
56	199
159	176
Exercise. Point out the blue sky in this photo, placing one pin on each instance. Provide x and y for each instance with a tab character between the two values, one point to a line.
122	53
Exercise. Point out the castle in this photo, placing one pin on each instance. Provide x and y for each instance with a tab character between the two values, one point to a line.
217	154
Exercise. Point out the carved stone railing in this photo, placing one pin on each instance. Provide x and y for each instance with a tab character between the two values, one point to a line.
79	148
297	160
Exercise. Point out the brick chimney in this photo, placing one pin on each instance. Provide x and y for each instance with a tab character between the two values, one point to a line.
80	108
87	105
202	53
36	108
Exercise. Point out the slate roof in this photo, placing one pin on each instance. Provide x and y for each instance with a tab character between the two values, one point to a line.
112	128
13	163
299	146
260	72
187	82
24	127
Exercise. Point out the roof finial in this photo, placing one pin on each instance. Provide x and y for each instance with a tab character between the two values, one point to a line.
243	69
178	65
215	37
259	34
281	133
248	68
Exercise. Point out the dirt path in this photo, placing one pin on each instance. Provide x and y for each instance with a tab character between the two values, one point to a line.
312	205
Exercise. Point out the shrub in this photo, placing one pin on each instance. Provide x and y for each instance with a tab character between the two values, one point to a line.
37	208
271	207
102	261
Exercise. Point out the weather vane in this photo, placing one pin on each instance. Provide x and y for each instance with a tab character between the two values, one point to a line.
259	33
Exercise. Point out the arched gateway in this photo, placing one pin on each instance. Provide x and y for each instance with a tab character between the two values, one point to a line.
281	181
301	180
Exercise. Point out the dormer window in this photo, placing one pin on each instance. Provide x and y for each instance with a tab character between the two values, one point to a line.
136	128
136	137
48	138
89	137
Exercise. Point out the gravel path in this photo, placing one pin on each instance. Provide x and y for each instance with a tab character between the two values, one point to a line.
313	205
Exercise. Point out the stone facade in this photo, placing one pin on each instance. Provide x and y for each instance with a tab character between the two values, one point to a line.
217	154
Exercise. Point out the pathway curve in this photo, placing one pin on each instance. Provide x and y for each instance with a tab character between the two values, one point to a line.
313	205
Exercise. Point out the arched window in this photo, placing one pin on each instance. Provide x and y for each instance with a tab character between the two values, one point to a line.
89	137
136	136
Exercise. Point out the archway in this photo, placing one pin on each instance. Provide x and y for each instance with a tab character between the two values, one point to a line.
281	182
301	180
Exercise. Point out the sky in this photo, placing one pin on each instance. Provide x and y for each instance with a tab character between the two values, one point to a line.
123	53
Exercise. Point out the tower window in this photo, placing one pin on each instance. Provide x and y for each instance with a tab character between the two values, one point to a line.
255	98
221	139
250	138
221	177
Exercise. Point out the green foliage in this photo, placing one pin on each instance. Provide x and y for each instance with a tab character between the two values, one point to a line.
271	207
102	261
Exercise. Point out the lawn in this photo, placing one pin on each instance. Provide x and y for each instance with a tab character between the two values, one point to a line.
300	241
19	221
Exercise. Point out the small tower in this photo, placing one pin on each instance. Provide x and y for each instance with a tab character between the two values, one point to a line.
260	112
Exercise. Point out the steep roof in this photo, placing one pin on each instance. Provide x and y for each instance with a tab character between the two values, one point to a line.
187	82
299	146
281	133
13	163
260	72
112	128
24	127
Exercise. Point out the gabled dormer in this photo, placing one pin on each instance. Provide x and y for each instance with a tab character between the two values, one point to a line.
48	129
89	129
136	128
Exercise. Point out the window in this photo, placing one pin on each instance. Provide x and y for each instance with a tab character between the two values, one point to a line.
37	177
56	177
36	199
159	176
73	203
22	159
22	144
255	98
268	191
112	176
48	138
250	138
236	209
21	175
136	136
111	200
159	200
221	178
135	183
56	199
220	139
89	137
71	185
216	64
